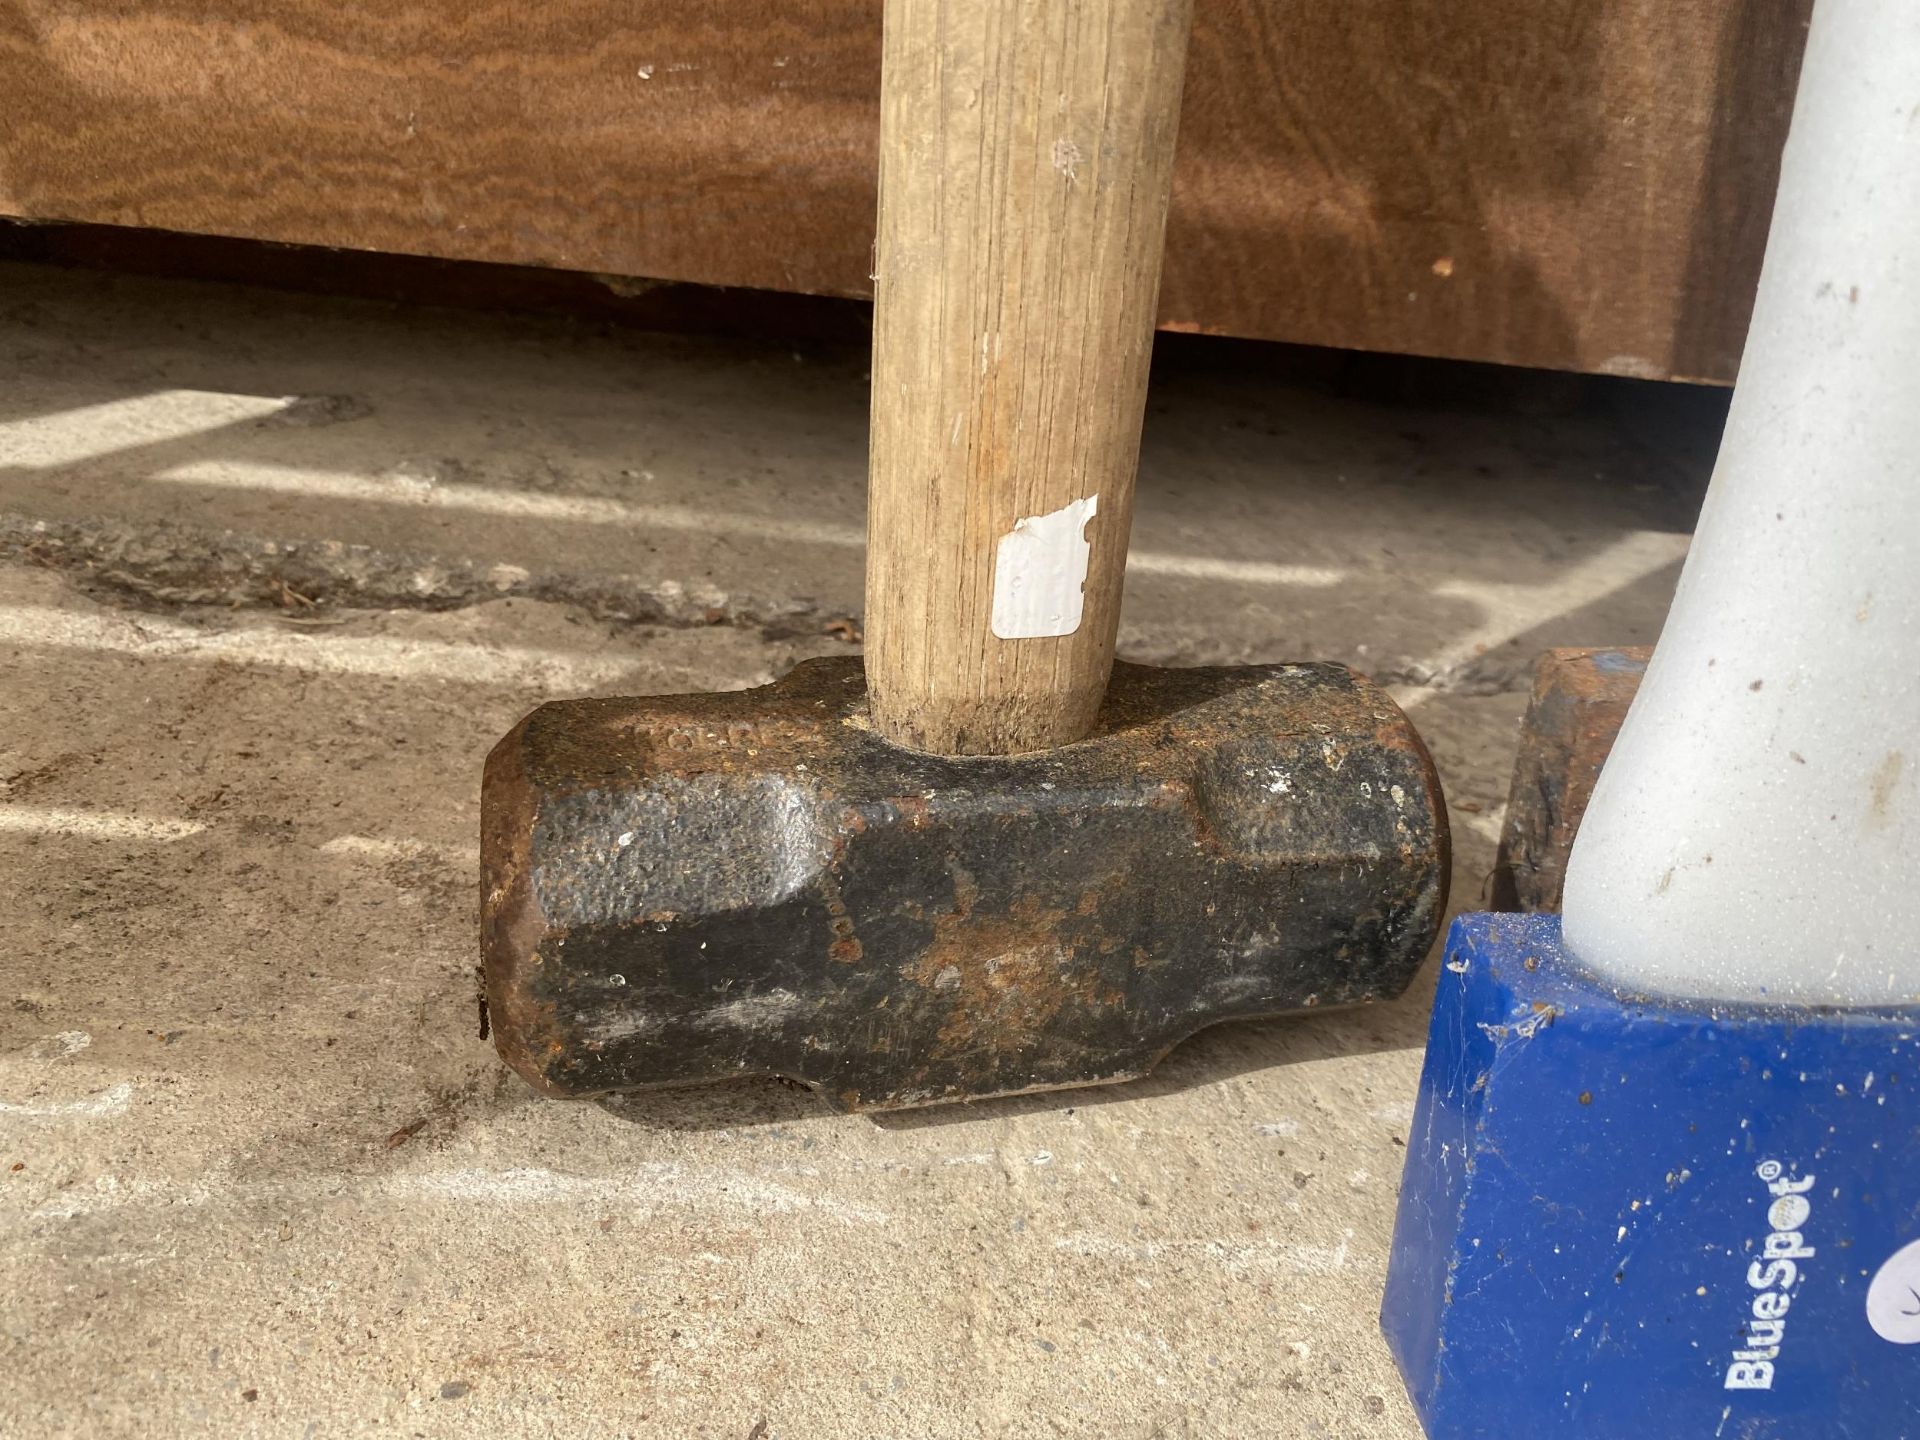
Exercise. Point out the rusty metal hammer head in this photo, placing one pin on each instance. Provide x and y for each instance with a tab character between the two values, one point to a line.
698	887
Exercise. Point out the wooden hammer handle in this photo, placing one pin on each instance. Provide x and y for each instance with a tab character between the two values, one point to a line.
1026	150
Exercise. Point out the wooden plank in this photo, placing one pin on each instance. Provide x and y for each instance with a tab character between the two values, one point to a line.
1574	183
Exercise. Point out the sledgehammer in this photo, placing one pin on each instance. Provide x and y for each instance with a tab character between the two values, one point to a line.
973	867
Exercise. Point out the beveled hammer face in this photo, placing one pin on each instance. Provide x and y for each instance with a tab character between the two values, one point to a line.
697	887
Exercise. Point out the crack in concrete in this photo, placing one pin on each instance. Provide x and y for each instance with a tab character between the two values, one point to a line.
171	568
177	569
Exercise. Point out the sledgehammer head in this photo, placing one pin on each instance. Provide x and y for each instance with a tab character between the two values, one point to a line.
697	887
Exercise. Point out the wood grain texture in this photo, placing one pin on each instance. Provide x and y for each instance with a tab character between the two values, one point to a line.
1026	158
1574	183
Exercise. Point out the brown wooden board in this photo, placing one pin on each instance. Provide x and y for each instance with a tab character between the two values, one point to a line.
1574	183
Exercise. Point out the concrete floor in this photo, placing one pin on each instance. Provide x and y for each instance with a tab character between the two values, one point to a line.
274	574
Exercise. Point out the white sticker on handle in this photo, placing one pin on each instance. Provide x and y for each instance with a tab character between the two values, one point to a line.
1040	573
